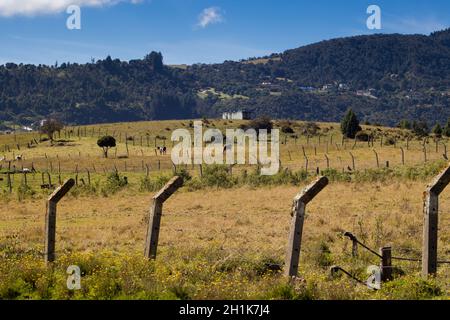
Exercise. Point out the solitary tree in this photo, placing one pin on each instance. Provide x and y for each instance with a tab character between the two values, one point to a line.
106	143
350	125
50	127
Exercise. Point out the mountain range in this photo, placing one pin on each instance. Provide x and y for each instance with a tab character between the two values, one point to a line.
384	78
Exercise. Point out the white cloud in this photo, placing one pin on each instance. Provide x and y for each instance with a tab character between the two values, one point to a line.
410	25
10	8
209	16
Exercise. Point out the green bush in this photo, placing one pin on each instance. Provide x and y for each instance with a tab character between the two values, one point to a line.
217	176
24	191
411	288
153	185
114	183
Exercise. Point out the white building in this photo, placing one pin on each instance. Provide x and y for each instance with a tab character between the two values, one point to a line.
239	115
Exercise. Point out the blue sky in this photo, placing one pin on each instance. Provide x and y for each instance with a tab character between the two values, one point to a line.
191	31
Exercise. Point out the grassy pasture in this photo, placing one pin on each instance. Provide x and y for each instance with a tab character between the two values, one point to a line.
217	241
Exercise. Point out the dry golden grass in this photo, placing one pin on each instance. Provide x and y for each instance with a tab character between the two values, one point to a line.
240	221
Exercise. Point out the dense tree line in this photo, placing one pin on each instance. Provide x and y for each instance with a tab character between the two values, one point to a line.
408	77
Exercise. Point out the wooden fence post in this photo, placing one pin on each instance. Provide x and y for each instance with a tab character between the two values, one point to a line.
430	225
295	237
50	219
152	237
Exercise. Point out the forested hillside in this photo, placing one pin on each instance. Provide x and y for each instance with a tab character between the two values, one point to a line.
384	78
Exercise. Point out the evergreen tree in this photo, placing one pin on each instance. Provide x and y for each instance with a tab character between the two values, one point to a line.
437	130
404	124
156	61
446	130
350	125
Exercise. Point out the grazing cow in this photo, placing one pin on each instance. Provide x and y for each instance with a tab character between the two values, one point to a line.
162	150
19	157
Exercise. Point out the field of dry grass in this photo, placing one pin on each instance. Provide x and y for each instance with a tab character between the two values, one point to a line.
217	243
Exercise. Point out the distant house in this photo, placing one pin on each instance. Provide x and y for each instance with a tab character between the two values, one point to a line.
307	88
238	115
27	129
370	93
343	87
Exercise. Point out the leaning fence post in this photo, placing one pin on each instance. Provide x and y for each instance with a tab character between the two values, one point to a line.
295	237
50	219
152	237
430	225
376	158
353	161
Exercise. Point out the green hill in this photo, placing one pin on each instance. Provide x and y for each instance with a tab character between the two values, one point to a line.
384	78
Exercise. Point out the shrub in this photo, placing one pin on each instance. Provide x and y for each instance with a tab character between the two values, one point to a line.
309	128
362	136
114	183
411	288
322	254
287	130
390	141
420	128
263	123
153	185
217	176
24	192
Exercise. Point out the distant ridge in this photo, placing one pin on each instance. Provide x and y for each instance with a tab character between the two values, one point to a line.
383	77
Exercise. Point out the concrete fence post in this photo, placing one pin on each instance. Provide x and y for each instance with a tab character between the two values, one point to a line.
386	264
152	237
376	158
430	225
403	155
295	237
50	219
